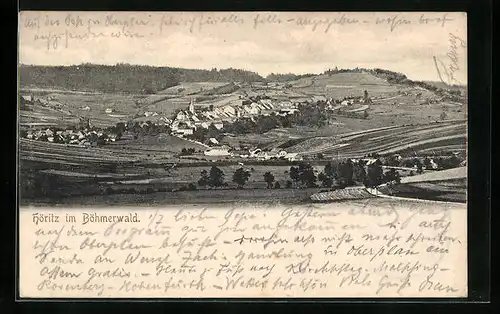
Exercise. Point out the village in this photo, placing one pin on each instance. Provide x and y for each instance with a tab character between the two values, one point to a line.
186	123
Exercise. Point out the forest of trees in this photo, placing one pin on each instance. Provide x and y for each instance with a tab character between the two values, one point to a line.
124	78
287	77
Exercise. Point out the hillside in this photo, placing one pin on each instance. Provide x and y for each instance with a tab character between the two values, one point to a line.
124	78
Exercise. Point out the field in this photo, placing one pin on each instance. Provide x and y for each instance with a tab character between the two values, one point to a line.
400	119
188	88
437	176
446	185
398	139
447	191
71	106
344	85
200	198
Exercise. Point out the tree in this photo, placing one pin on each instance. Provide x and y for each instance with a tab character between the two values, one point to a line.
419	165
392	176
277	185
392	160
442	116
119	129
307	177
331	170
213	132
359	172
240	177
427	163
204	179
269	179
216	177
375	174
320	156
326	181
346	171
365	114
294	174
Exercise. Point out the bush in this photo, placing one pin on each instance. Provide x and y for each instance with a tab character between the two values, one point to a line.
277	185
288	184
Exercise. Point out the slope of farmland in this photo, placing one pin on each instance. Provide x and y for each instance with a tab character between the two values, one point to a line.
386	140
73	154
340	85
443	175
446	185
187	88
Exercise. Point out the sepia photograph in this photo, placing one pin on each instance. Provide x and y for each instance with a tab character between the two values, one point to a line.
274	123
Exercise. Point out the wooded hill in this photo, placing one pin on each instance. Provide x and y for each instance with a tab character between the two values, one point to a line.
141	79
124	78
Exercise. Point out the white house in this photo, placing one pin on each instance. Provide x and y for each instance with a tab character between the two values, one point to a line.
261	106
433	164
254	108
281	154
213	140
166	120
217	151
370	161
181	116
229	110
247	109
27	98
255	152
293	157
184	131
108	110
218	125
288	111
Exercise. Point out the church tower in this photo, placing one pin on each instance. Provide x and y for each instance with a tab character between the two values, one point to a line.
191	106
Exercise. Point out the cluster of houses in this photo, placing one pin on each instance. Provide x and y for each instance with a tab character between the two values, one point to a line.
84	137
49	101
257	153
187	121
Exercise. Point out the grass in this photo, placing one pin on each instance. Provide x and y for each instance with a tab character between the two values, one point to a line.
382	140
443	175
437	191
201	197
187	88
73	104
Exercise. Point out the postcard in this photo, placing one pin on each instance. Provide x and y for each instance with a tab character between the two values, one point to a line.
242	155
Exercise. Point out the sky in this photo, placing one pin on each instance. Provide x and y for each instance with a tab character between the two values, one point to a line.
263	42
